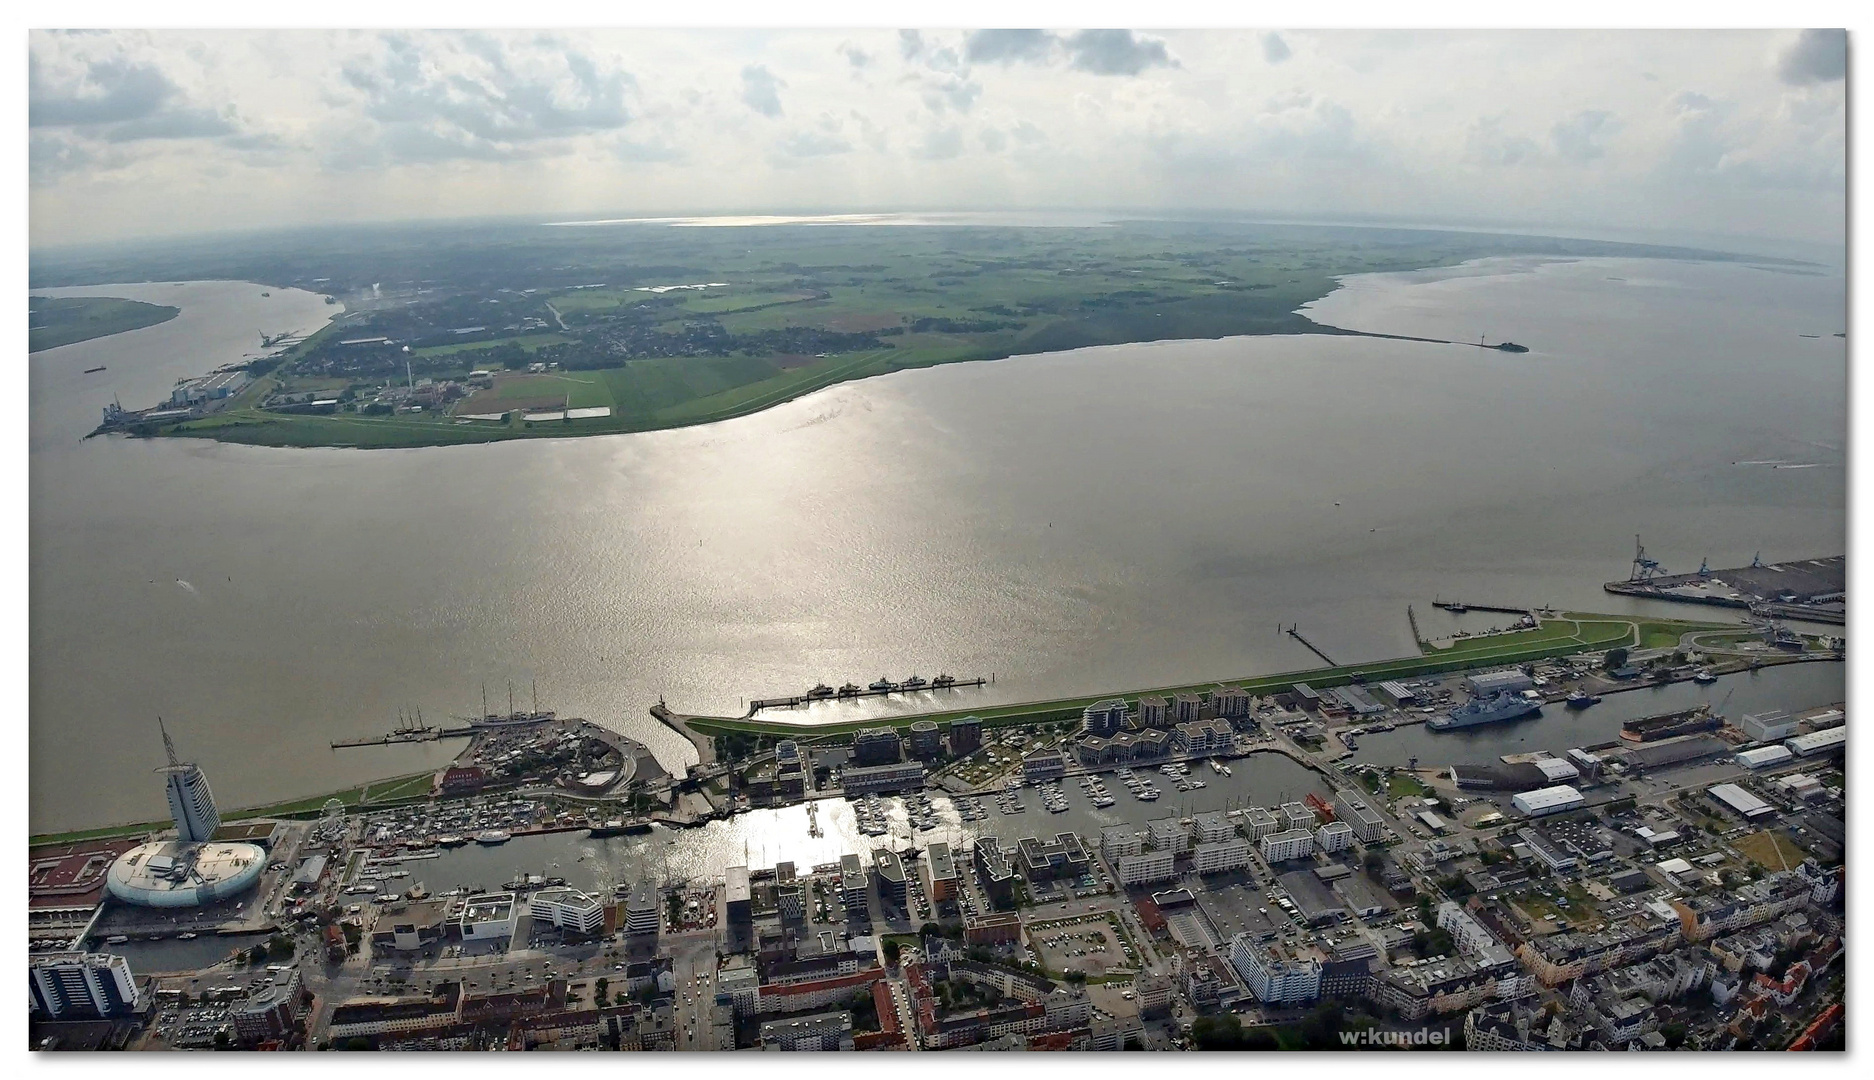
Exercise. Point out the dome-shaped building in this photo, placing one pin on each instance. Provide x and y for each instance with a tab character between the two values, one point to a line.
193	869
171	873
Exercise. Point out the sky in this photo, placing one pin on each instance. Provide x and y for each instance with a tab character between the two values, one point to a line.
138	134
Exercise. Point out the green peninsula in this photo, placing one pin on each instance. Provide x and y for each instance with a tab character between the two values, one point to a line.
458	334
55	321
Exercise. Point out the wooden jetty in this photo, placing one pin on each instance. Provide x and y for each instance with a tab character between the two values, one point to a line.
1312	647
807	699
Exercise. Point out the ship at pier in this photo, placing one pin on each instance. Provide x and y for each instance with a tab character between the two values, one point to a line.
1488	710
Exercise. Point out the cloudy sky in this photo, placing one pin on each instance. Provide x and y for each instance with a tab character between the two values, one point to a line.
150	133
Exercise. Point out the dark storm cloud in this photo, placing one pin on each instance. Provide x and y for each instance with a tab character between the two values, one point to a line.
1117	52
494	113
1274	49
1818	56
1009	46
761	91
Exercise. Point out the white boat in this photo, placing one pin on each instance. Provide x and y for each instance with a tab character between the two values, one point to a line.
493	836
117	939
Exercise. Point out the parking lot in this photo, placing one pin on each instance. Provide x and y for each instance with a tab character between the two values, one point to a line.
1091	944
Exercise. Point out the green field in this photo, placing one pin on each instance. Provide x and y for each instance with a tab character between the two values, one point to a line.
805	308
55	321
530	342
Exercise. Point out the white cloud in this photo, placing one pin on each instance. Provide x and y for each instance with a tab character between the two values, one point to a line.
1620	129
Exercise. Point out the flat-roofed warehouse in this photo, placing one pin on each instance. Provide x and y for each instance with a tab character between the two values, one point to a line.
1764	756
1512	680
1549	800
1742	802
1818	742
1314	900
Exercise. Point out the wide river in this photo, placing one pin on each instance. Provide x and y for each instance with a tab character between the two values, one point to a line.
1107	518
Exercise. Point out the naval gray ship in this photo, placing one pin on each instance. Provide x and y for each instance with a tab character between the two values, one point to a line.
1502	705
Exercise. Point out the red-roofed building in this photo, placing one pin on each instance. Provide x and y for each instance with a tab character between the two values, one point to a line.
462	780
814	994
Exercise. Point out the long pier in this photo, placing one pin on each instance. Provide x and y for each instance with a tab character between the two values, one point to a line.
1312	647
807	699
398	737
1460	607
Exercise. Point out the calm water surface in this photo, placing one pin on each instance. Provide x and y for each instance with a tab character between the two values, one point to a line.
1107	518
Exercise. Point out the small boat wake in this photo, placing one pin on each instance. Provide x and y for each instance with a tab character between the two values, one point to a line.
188	587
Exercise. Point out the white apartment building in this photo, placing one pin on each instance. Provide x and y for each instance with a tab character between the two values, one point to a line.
1169	834
1292	844
1334	836
1215	858
1146	867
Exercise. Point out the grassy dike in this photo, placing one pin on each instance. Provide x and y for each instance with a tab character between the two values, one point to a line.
378	793
1563	635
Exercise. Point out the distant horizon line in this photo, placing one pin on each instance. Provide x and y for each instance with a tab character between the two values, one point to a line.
1725	243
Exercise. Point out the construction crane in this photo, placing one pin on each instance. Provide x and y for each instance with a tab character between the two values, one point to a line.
1644	569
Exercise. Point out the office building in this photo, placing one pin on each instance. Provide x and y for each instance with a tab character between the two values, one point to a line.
869	779
191	804
926	741
1229	701
642	915
1185	708
1040	765
941	870
738	898
852	886
1292	844
1104	718
489	917
1062	857
875	746
407	927
891	878
995	871
966	735
270	1011
568	909
82	986
1154	711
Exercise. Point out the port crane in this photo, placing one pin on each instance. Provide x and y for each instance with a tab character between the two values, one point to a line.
1644	569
